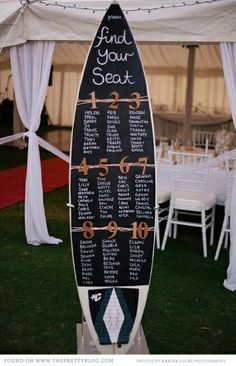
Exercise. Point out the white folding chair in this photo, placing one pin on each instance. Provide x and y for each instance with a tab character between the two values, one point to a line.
204	139
229	164
189	196
163	196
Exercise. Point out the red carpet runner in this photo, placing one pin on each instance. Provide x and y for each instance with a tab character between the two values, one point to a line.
12	181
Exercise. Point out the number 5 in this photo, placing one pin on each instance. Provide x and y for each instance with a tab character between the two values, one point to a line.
103	165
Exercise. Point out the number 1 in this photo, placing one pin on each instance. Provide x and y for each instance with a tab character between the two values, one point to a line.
93	100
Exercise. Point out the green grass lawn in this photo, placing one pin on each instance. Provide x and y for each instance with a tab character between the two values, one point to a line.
39	303
188	310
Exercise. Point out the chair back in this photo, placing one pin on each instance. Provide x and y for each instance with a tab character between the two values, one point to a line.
230	166
188	174
159	152
204	139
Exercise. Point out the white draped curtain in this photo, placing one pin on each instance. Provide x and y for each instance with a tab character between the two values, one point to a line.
228	56
30	65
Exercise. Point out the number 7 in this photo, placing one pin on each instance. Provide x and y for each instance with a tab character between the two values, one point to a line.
143	163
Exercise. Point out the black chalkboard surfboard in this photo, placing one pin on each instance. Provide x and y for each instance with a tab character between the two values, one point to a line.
112	187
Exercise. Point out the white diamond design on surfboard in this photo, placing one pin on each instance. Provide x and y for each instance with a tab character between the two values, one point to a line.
113	317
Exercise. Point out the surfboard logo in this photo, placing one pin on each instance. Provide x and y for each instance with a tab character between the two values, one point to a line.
96	297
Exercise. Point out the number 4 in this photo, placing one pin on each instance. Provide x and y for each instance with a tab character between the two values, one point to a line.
83	168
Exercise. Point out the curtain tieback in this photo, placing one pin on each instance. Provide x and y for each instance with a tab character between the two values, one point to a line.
29	134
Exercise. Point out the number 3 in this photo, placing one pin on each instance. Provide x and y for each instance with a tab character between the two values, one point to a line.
136	101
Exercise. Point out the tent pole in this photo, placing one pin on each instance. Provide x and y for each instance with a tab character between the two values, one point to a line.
189	94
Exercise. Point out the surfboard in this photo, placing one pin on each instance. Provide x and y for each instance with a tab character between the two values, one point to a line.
112	187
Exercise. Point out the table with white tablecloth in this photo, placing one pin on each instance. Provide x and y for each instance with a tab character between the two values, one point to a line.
217	180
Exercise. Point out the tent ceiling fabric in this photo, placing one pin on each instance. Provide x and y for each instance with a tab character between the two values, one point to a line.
157	59
200	21
166	69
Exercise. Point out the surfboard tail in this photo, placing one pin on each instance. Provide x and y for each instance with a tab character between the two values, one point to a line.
113	312
113	316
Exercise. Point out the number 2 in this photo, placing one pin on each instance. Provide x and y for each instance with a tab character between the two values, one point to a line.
116	96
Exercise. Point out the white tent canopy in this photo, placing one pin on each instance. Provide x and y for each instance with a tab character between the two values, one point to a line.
156	22
165	21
